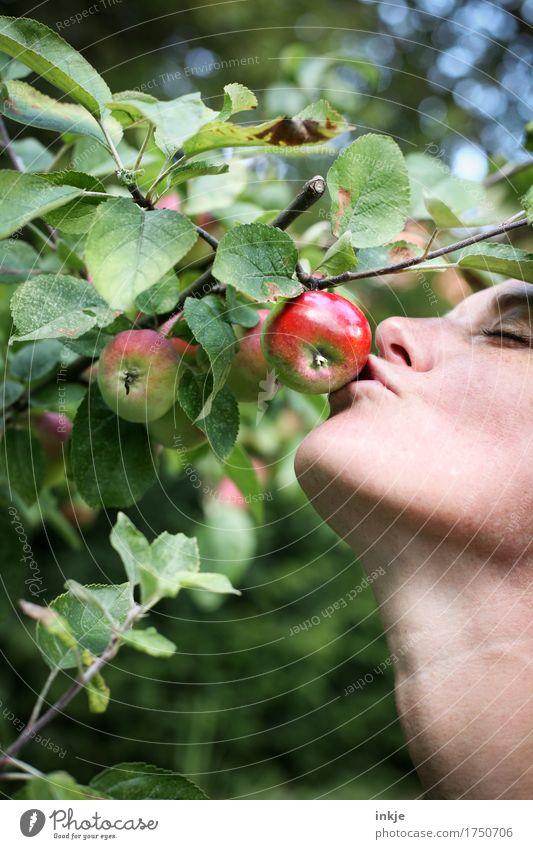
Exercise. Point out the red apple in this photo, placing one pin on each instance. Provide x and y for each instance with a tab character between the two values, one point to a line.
138	373
316	342
185	350
249	366
175	430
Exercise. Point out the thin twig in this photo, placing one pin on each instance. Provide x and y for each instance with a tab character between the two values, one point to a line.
201	286
46	239
431	240
16	161
15	776
87	194
143	148
162	174
42	696
31	771
111	145
349	276
508	171
207	237
57	158
81	681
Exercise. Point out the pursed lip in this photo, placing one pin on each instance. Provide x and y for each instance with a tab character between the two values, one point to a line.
373	378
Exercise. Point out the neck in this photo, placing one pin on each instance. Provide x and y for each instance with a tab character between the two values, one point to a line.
460	632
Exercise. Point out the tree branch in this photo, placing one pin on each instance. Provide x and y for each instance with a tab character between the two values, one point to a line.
16	161
310	194
82	680
506	172
349	276
207	237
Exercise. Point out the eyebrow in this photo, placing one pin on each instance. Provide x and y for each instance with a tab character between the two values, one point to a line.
521	299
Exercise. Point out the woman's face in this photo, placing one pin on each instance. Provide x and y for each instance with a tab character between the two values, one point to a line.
437	429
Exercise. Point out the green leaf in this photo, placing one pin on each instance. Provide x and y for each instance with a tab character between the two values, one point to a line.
86	622
36	360
144	781
369	187
75	217
450	197
161	297
190	170
55	305
340	257
22	463
92	342
52	622
88	595
212	582
18	261
162	568
441	213
206	319
10	69
258	260
34	155
174	120
279	133
46	53
150	642
237	98
26	105
172	558
499	259
56	786
239	468
207	194
67	401
131	545
98	693
129	249
238	312
24	197
221	425
112	462
11	392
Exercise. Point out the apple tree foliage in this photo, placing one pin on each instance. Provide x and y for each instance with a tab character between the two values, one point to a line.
87	250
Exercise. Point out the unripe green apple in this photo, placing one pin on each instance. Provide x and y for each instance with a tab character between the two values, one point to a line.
316	342
175	430
138	374
186	351
249	366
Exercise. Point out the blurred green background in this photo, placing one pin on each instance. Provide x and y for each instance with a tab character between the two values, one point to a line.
253	705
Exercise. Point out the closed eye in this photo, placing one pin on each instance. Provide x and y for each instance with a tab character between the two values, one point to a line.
500	333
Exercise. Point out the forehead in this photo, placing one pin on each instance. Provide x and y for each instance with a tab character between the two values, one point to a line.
482	302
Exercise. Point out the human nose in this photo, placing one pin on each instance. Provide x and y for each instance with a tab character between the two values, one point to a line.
409	342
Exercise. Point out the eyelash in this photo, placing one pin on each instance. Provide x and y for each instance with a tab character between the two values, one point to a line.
507	334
